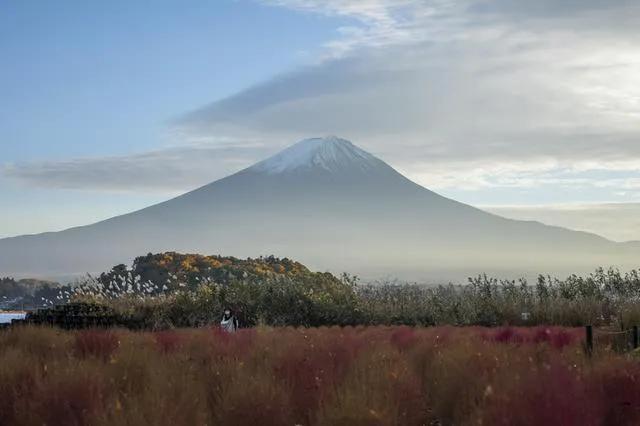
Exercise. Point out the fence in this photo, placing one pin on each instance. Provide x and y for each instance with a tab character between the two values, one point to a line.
609	340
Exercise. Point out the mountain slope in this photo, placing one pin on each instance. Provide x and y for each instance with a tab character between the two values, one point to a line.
331	205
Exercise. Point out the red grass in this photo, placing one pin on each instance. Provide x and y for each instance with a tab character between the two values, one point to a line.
98	343
169	340
508	335
313	362
324	376
15	386
556	337
551	395
618	387
403	338
70	401
253	403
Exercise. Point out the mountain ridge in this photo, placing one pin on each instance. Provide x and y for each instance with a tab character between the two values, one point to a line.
330	204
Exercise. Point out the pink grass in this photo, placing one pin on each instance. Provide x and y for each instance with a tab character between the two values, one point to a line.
97	343
343	376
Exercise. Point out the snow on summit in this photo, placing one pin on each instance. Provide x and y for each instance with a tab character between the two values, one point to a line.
330	153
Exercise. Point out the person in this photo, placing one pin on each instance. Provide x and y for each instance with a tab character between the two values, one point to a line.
229	322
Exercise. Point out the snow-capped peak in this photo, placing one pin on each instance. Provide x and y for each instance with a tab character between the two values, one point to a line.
330	153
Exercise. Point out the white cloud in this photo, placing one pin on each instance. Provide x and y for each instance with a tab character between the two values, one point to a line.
467	94
169	171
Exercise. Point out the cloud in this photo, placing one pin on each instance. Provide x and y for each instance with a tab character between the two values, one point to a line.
478	99
168	171
469	89
618	222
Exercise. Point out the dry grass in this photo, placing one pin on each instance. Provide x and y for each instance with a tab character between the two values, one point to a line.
323	376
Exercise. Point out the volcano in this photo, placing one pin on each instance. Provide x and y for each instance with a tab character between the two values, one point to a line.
333	206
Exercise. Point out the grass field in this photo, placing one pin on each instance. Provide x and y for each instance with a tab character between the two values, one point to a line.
323	376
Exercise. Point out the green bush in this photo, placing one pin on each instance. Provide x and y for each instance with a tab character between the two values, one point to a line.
280	292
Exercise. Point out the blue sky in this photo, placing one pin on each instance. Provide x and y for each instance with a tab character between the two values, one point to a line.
89	79
97	78
529	109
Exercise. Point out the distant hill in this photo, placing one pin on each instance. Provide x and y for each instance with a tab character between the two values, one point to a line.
12	288
174	269
25	293
334	207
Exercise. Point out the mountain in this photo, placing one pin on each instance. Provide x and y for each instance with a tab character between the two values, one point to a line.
334	207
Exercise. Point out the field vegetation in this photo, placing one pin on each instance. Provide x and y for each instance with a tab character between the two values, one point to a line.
314	376
604	298
316	349
170	290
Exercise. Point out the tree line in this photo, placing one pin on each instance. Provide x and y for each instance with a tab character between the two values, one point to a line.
179	290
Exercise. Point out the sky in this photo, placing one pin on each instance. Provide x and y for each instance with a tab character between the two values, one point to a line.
526	109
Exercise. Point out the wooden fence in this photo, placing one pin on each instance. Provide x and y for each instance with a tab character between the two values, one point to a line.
611	340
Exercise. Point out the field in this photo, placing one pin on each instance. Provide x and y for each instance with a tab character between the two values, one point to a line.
314	376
